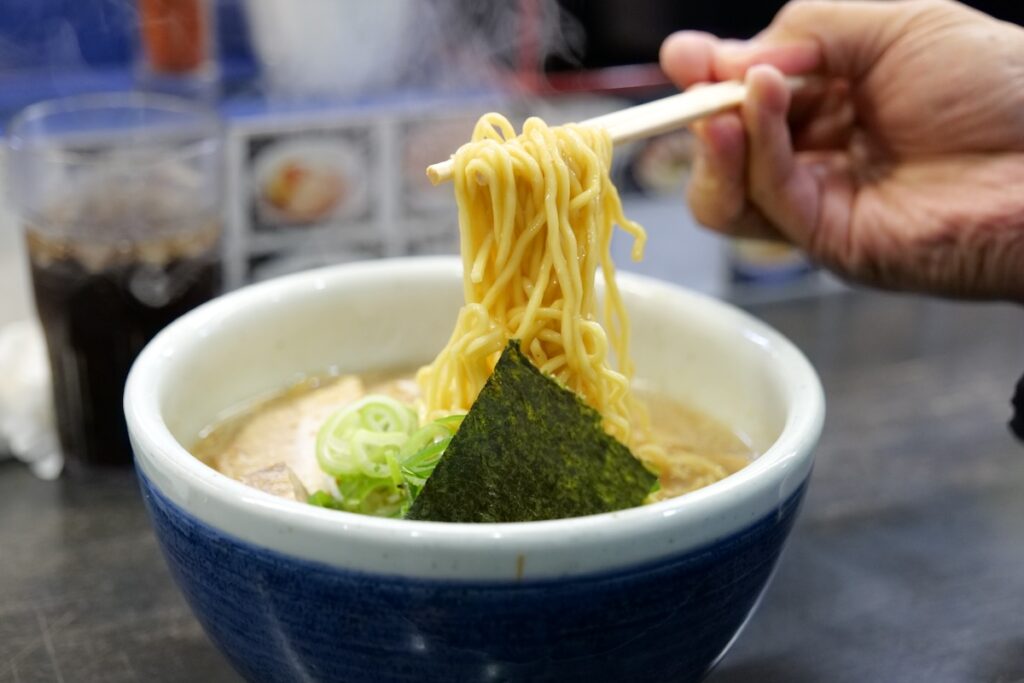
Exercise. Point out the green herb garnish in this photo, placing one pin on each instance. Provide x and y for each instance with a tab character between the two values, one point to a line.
424	449
363	439
530	449
324	500
378	455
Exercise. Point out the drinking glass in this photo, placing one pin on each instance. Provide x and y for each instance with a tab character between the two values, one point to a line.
120	199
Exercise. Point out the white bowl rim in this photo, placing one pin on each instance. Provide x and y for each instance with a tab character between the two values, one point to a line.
776	474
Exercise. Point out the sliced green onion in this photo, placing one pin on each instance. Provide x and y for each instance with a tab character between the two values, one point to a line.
357	438
367	496
379	455
422	438
424	449
324	500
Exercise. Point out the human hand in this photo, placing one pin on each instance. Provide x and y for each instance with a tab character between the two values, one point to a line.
901	167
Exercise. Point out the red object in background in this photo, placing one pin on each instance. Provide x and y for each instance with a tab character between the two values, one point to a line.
629	79
175	35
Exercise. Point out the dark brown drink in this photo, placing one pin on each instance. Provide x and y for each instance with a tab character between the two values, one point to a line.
121	195
99	303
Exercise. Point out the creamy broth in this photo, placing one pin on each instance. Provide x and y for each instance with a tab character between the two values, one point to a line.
252	442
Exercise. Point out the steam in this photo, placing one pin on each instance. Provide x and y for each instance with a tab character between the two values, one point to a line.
470	43
333	48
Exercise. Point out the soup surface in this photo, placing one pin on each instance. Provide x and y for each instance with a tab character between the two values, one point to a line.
270	442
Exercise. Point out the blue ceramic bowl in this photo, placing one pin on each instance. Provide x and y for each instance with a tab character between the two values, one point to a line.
292	592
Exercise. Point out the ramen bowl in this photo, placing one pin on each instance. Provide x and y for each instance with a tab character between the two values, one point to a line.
289	591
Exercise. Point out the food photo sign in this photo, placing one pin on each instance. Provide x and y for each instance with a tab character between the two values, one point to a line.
317	188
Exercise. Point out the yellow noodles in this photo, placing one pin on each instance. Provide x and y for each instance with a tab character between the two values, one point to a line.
536	217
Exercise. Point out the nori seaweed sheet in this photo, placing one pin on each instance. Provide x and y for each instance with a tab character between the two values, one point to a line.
530	449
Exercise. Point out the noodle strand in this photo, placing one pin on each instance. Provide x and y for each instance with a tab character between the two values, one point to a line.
537	214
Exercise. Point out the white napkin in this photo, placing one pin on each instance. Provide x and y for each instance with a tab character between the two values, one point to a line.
27	428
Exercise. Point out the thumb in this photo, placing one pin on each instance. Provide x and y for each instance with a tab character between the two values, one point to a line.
836	38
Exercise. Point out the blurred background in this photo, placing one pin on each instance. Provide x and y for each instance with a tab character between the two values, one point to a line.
334	107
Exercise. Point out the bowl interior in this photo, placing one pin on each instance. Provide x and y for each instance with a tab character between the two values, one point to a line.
397	314
358	320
